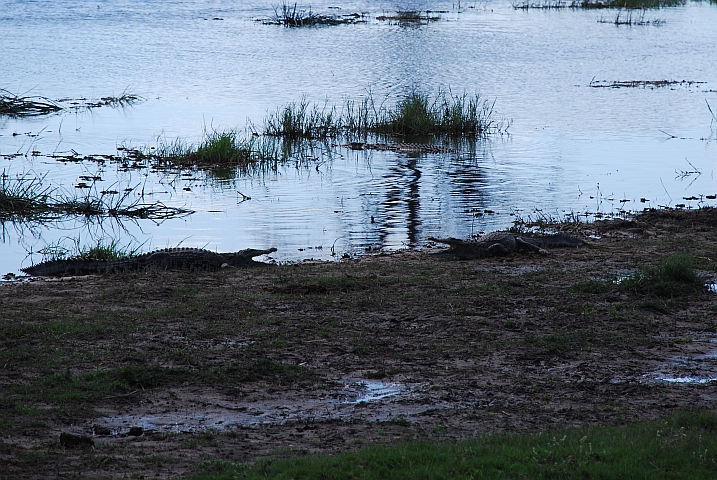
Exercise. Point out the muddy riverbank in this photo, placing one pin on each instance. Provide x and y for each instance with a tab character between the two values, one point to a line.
307	357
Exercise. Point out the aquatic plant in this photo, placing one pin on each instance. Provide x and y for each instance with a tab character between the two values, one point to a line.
25	199
415	115
631	4
20	106
294	16
408	16
544	5
217	148
630	19
26	106
301	120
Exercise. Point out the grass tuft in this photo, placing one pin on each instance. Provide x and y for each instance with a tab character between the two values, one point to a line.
418	114
673	276
102	250
217	148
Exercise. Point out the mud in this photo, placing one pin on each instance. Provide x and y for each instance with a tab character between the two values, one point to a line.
324	357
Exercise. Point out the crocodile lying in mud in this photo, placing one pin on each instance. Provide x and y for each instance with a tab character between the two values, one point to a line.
400	147
503	243
192	259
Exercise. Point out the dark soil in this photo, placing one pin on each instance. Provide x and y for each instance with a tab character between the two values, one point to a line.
156	372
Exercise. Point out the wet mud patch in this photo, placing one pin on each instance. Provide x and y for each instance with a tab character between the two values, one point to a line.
696	366
185	411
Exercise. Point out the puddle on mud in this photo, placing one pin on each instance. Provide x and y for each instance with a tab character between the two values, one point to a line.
367	399
695	369
374	391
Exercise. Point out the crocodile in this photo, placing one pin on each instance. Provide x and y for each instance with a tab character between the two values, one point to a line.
400	147
503	243
192	259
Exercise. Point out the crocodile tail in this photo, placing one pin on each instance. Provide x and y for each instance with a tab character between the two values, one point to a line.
61	268
559	240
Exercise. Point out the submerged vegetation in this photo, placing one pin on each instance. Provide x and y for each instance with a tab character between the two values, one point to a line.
415	115
26	106
25	199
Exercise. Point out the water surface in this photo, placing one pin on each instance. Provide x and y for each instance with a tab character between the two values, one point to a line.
572	148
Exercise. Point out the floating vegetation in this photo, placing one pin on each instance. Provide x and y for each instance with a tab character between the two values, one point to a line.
415	115
631	4
27	106
124	100
22	106
295	16
409	16
600	4
642	83
545	5
630	18
26	199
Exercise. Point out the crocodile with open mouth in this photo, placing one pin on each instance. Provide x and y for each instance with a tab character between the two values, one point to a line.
503	243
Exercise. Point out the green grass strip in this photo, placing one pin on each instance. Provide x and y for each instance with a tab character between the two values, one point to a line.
682	446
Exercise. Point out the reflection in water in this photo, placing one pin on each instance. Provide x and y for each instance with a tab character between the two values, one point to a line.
402	203
572	148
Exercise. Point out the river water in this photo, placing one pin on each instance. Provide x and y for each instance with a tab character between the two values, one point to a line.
572	148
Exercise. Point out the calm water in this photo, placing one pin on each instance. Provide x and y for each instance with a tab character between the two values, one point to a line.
210	64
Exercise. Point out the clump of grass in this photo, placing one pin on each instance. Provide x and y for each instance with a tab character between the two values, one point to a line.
102	250
22	106
672	276
451	115
418	114
23	197
295	16
301	120
217	148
